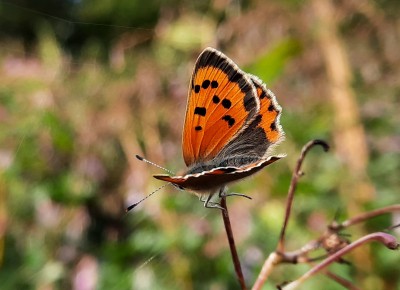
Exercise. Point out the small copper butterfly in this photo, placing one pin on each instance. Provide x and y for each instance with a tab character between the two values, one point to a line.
230	129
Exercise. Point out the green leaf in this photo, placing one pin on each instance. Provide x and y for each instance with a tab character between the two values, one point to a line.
270	65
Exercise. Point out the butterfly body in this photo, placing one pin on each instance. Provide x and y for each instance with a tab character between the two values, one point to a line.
231	126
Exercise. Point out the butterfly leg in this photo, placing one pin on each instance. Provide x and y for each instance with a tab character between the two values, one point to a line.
236	194
210	204
202	197
223	193
205	198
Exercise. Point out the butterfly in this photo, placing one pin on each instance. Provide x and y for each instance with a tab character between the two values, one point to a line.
231	126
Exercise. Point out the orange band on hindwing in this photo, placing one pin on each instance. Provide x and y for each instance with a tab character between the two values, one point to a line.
269	111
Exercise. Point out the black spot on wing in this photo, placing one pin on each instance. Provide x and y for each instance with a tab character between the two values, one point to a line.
229	120
226	103
217	60
200	111
271	107
216	99
205	84
257	120
249	102
211	57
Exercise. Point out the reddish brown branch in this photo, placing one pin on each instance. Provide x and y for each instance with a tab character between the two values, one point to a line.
340	280
273	259
232	247
335	244
365	216
297	173
386	239
279	256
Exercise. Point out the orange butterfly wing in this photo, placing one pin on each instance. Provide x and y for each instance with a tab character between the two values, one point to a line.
222	102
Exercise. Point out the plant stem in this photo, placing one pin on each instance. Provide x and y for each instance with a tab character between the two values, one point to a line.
297	173
232	247
386	239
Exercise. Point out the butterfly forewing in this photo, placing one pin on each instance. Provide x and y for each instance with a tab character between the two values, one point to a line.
222	102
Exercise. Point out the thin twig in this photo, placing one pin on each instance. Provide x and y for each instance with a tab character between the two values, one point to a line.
232	247
297	173
269	264
342	281
365	216
301	255
334	244
388	240
279	255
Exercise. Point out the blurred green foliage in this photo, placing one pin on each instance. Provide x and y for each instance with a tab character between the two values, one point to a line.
85	85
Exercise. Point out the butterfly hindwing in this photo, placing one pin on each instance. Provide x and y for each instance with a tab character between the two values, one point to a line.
222	102
270	112
259	136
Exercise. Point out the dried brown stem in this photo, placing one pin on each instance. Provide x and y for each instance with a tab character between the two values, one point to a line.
273	259
279	256
232	247
297	173
300	256
365	216
335	244
340	280
388	240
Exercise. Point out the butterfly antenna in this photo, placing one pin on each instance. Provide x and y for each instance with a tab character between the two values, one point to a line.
132	206
152	163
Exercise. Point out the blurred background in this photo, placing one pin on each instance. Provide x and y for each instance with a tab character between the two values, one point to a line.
85	85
